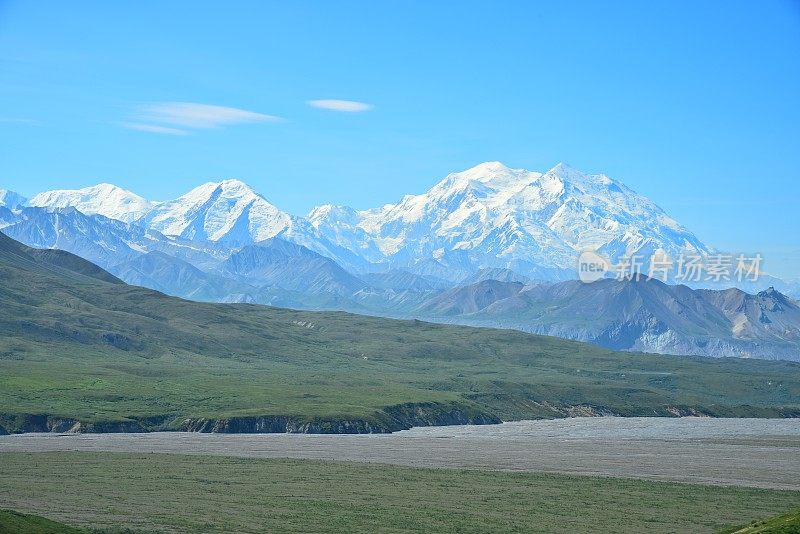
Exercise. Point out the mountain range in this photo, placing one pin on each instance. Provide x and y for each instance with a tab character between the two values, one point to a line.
490	246
489	216
638	314
81	351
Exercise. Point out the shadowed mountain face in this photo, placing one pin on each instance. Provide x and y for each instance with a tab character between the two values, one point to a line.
101	240
464	300
280	264
66	260
499	274
173	276
404	280
648	315
768	316
17	260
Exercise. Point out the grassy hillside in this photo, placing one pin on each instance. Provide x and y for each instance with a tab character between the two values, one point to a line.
160	492
783	524
75	344
16	523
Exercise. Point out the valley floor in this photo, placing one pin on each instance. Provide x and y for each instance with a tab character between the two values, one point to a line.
734	452
182	493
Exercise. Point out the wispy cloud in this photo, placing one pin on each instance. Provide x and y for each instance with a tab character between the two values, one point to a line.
177	118
17	120
347	106
153	128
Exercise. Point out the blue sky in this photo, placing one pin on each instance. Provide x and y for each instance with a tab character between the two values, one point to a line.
694	104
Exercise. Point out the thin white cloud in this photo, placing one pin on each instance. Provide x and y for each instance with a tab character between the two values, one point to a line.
192	115
347	106
17	120
153	128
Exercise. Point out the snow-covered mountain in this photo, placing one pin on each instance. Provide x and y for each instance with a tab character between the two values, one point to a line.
281	264
232	214
489	217
100	239
497	217
10	199
101	199
225	211
482	247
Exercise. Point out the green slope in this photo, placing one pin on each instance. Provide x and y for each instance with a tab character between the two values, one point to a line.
783	524
16	523
76	345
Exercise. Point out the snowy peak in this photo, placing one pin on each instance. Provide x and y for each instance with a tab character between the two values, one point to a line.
469	212
492	173
336	214
491	176
490	216
236	188
567	180
567	172
229	210
501	217
593	211
11	200
102	199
